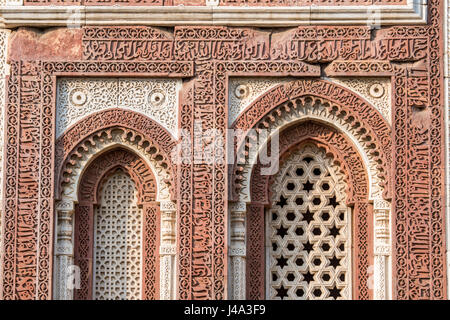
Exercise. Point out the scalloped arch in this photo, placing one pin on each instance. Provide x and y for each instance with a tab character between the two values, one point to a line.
104	130
323	101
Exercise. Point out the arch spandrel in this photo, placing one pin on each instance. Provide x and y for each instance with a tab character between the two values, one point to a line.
321	101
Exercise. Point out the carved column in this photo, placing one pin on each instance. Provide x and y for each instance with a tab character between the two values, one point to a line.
168	250
382	249
64	251
237	251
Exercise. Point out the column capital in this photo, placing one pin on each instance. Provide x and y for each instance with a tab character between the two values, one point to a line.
239	206
381	204
237	252
166	250
168	205
65	205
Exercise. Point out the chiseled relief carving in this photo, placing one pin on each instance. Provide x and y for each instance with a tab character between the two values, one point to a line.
167	251
155	98
376	91
316	112
11	2
104	142
4	34
243	91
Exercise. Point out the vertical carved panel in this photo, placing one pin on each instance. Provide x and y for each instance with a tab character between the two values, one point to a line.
84	227
4	34
150	268
255	253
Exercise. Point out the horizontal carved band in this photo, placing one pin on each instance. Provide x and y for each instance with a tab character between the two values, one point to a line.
413	13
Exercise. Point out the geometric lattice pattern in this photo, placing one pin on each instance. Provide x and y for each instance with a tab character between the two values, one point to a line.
117	256
309	229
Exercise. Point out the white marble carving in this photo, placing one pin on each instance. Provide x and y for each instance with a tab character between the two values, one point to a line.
155	98
168	250
309	230
376	91
244	91
237	250
382	248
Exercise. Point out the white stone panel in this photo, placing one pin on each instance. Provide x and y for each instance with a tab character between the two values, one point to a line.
376	91
117	231
242	92
79	97
309	230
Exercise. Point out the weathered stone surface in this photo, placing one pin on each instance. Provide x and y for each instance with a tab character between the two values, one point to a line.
53	44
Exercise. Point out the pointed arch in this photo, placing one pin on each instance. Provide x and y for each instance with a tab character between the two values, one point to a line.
88	193
341	123
347	159
323	101
103	130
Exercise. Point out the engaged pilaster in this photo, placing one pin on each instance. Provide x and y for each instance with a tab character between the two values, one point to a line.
237	250
382	249
168	250
64	251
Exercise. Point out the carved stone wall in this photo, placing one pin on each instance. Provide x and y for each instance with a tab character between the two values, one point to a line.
79	98
410	157
4	34
218	2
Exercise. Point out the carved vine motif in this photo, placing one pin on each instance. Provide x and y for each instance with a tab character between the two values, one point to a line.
84	215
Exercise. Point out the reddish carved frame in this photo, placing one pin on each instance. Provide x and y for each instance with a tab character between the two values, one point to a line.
34	278
418	273
348	158
89	190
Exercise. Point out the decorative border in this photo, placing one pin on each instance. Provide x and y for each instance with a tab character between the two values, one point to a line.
208	56
414	12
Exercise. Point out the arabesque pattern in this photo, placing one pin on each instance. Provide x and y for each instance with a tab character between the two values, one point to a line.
411	155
